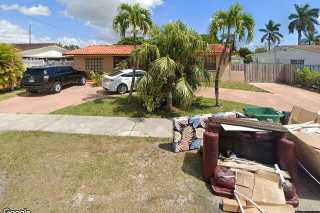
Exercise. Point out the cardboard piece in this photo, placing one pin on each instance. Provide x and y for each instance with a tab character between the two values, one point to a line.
300	115
311	140
308	152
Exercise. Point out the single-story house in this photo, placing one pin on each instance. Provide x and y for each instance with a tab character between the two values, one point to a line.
99	58
290	54
104	58
39	54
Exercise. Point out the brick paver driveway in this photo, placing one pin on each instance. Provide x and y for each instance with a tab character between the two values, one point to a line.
46	103
281	97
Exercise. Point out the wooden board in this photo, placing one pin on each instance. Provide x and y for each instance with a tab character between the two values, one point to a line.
251	168
272	209
268	192
230	205
249	123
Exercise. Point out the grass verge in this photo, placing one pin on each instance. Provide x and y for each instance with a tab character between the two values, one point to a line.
7	95
118	106
79	173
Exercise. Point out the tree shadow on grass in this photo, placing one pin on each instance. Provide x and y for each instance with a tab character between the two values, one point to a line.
166	147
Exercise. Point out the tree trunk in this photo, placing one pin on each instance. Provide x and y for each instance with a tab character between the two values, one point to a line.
269	45
169	102
134	71
221	61
299	37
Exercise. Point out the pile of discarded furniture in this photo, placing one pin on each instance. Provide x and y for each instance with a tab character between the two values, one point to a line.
253	163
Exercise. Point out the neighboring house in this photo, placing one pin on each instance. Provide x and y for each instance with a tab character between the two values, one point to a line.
291	54
39	54
213	56
104	58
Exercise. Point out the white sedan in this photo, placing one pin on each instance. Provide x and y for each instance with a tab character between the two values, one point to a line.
121	81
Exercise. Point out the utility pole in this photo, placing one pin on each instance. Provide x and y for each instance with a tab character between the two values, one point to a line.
30	33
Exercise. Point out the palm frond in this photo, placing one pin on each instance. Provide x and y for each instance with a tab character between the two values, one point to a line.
183	93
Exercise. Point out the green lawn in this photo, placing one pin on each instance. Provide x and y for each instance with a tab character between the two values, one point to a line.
118	106
238	85
7	95
48	172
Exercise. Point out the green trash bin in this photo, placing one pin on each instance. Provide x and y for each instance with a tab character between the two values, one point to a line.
263	114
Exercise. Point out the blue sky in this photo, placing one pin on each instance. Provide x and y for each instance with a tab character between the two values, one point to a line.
77	21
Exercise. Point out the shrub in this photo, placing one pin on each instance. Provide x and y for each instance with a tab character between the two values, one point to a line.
309	78
11	67
96	78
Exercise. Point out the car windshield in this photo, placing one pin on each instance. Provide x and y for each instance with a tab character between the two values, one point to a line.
36	71
116	73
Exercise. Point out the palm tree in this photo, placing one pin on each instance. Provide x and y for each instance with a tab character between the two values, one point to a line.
11	66
304	20
138	20
235	26
272	34
175	68
311	38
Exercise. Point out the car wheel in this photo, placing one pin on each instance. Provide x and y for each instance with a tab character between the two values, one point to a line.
122	89
83	80
56	87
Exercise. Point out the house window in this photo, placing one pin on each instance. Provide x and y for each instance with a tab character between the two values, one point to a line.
297	62
210	62
94	64
118	59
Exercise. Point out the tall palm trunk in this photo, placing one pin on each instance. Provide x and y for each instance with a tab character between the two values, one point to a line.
299	37
269	44
134	69
221	61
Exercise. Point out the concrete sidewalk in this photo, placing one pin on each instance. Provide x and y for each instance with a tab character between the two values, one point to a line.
93	125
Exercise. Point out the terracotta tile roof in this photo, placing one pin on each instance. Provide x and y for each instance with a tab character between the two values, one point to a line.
215	48
103	50
31	46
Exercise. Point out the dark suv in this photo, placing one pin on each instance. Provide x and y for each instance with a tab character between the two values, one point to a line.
51	78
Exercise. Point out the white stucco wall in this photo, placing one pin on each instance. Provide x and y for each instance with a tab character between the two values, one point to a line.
285	55
45	52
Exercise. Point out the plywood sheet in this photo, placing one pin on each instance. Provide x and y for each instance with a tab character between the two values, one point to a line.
245	178
268	192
